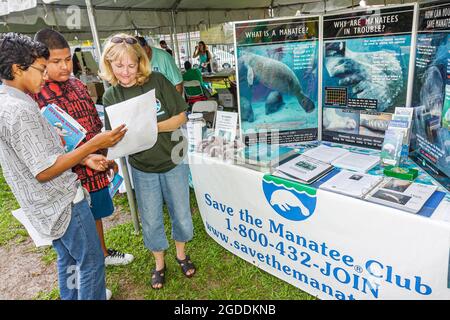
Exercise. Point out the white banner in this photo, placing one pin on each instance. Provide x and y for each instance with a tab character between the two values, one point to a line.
342	248
9	6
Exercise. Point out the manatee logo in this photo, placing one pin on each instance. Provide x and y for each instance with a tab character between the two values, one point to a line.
158	105
158	108
290	200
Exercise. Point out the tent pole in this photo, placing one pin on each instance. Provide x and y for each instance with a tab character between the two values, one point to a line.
174	31
171	39
126	176
130	194
189	53
93	25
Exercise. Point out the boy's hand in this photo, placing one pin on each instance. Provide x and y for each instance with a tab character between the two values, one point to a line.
110	138
96	162
113	166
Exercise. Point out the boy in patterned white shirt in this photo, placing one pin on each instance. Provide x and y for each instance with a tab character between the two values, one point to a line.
38	171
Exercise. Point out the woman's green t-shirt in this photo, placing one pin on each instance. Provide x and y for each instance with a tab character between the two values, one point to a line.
170	103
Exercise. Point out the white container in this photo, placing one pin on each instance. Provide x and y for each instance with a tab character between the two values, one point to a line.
196	130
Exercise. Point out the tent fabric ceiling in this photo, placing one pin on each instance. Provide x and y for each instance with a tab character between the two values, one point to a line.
155	16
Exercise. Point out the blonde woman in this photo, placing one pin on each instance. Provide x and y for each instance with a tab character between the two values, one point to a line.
156	176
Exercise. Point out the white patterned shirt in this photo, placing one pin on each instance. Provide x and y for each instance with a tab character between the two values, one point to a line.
29	146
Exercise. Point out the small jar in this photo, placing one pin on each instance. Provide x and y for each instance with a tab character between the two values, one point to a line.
196	130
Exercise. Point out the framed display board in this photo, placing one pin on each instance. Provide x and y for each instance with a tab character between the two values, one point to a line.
277	71
430	143
366	72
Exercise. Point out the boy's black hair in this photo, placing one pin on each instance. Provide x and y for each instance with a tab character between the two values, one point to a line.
162	42
142	41
19	49
52	39
187	65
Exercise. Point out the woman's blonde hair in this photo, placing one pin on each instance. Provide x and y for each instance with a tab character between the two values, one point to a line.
116	51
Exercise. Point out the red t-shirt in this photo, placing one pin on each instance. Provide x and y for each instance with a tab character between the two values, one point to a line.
73	97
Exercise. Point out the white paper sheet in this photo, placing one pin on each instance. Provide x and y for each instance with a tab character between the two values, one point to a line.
139	115
226	125
325	154
356	162
351	183
38	240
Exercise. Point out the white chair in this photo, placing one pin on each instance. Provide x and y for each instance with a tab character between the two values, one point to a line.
209	109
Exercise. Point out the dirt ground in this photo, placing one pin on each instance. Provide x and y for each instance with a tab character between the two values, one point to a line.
23	273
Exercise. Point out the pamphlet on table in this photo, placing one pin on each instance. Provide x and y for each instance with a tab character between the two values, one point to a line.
356	162
402	194
351	184
304	169
325	154
226	125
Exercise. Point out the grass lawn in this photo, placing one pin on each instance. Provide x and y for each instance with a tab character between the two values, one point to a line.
10	228
221	275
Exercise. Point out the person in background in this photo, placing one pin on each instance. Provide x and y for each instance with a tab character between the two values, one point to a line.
164	46
162	62
195	74
77	68
71	95
37	169
201	51
156	175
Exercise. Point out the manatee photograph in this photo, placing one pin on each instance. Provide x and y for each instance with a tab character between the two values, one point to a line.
278	86
370	68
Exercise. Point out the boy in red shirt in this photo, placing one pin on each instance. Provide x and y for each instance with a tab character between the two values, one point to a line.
72	96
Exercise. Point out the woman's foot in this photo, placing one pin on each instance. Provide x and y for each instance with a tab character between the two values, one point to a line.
158	278
187	267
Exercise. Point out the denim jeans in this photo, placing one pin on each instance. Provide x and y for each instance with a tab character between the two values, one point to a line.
81	263
154	188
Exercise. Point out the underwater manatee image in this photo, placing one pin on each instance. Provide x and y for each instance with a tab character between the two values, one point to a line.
274	75
274	102
246	110
367	80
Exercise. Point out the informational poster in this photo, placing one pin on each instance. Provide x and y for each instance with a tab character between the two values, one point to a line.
278	79
430	144
366	58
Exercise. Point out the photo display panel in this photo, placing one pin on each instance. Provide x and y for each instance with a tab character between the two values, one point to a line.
430	143
366	58
278	79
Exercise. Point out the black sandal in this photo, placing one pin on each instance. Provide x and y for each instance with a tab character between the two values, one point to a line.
186	265
158	277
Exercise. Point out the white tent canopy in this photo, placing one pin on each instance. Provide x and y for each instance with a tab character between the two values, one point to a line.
150	16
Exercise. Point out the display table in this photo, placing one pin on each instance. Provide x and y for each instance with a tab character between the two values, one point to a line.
346	248
221	76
